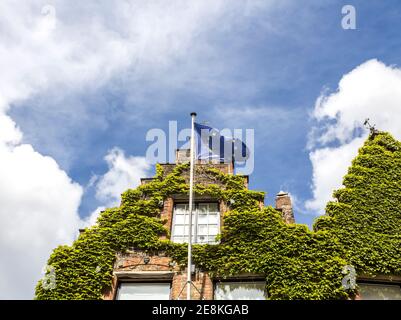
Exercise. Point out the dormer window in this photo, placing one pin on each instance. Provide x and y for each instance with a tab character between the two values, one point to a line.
208	222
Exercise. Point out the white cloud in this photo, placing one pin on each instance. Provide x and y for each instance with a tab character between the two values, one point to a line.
39	206
329	168
39	210
72	49
86	44
9	133
372	90
51	54
124	173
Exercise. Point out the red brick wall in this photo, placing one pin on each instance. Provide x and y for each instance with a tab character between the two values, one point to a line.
283	203
167	213
134	261
202	282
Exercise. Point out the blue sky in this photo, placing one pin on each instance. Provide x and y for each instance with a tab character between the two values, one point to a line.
279	59
97	76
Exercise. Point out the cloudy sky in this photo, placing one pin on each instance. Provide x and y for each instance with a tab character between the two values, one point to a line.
81	84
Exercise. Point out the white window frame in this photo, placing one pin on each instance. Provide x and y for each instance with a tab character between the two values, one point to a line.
377	284
143	283
185	223
239	280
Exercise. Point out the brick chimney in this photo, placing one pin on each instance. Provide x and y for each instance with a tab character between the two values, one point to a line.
182	155
283	204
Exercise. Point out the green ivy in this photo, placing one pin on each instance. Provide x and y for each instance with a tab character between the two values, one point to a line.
366	216
362	228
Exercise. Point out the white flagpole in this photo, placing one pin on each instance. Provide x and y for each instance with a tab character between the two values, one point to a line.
191	183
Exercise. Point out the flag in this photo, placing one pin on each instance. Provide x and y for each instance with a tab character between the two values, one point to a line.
210	144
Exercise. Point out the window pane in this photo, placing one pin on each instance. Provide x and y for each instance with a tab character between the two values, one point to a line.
213	207
203	207
213	230
202	239
372	291
203	218
202	229
143	291
179	230
213	218
240	291
181	208
180	219
178	239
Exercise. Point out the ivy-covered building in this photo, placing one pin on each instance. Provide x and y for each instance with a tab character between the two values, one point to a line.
243	250
141	274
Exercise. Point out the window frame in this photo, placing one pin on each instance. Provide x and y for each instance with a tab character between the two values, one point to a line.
240	279
143	281
378	282
186	226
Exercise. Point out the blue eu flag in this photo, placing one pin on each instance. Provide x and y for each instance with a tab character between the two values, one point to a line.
212	145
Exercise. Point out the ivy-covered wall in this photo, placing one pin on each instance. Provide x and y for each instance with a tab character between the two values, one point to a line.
361	228
366	216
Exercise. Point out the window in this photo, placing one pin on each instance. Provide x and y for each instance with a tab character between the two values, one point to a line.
240	290
208	222
143	291
379	291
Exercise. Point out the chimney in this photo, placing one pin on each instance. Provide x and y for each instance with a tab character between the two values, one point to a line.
182	155
283	204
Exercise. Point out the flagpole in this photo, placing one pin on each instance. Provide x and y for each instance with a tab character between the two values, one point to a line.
191	183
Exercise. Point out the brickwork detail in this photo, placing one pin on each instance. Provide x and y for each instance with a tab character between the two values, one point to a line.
283	204
134	261
167	213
